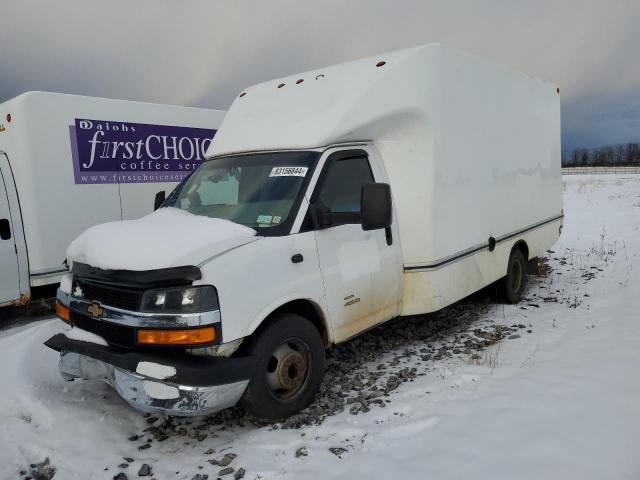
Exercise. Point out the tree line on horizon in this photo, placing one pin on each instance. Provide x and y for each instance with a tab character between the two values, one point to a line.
623	154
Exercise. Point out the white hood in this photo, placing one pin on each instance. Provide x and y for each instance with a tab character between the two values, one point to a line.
169	237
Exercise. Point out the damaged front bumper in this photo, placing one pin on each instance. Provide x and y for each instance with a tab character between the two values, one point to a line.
175	384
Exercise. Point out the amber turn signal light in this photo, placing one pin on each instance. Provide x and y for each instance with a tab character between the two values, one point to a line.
177	337
62	312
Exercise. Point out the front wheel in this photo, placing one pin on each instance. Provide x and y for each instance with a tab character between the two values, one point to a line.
514	282
289	368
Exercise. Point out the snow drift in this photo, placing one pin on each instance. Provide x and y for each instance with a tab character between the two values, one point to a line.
561	401
165	238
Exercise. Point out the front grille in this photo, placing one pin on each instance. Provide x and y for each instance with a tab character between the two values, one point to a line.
113	334
126	299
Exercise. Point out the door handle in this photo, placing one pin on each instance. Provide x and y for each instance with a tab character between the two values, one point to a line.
5	229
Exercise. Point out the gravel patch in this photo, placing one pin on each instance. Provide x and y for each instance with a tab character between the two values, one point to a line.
145	470
40	471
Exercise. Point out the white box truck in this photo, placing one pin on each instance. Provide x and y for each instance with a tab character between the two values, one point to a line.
332	201
68	162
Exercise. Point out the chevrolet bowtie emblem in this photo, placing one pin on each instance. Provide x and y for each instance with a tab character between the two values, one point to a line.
95	310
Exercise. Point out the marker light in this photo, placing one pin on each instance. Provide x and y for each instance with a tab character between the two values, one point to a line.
62	312
189	336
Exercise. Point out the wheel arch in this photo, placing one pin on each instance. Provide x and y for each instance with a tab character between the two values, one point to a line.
305	308
523	247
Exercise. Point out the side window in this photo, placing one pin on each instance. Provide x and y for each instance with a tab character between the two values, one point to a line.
342	187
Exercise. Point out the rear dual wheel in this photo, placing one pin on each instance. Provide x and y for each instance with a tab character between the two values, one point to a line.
513	284
289	355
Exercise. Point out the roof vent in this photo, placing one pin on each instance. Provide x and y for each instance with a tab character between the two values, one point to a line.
243	94
381	63
299	81
8	117
280	85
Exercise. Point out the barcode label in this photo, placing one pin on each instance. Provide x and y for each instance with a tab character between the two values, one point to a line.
288	172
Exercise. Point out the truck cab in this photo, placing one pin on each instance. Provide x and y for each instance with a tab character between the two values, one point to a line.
322	264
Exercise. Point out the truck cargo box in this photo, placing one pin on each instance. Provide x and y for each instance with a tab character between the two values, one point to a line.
471	148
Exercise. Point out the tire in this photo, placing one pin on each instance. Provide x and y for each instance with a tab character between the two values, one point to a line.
514	283
289	368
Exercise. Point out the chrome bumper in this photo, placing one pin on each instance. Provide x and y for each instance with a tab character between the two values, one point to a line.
149	394
196	386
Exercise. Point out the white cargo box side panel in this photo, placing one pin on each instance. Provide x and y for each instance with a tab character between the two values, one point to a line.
496	154
55	208
486	162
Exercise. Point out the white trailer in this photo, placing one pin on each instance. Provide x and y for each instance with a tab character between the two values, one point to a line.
394	185
68	162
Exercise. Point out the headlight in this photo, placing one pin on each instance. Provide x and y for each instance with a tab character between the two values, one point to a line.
180	300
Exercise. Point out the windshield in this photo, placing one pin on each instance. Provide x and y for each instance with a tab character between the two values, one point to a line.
260	191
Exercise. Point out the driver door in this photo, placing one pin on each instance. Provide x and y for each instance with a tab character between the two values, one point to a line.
360	269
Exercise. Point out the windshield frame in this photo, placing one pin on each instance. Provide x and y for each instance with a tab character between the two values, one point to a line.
284	227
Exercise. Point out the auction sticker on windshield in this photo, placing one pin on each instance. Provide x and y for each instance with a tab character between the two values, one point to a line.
264	219
288	172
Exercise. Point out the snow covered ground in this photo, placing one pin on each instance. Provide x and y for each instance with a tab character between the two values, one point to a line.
557	398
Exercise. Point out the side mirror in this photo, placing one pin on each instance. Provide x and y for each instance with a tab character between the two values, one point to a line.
159	200
376	206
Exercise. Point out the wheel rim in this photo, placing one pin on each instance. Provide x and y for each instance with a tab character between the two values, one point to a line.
288	369
516	276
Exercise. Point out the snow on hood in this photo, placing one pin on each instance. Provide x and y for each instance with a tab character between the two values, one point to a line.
166	238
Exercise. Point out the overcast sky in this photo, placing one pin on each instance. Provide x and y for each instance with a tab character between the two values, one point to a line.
201	53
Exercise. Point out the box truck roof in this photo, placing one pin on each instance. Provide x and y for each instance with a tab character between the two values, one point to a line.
359	100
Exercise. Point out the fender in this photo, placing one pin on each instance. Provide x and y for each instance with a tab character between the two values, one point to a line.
320	306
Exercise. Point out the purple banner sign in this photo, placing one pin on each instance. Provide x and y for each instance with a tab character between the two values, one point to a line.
123	152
